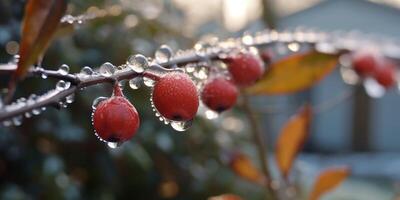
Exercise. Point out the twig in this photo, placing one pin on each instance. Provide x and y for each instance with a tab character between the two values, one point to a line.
259	142
331	44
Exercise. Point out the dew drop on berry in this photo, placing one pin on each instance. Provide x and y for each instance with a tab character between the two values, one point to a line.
163	54
97	101
181	126
86	72
113	145
62	85
149	82
107	69
135	83
373	88
36	111
63	70
210	114
137	63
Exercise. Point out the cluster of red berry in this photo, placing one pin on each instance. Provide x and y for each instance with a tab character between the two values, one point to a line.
176	97
369	64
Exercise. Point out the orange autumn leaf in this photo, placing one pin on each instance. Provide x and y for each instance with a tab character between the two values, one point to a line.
328	180
225	197
295	73
291	139
40	23
244	167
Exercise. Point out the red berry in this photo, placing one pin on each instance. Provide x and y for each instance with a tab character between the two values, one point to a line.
175	97
219	94
385	74
116	119
245	68
364	63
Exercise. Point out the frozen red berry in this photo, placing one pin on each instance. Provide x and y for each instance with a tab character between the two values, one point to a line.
385	74
245	68
116	119
364	63
219	94
175	97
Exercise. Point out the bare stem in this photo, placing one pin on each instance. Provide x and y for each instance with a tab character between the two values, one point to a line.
259	142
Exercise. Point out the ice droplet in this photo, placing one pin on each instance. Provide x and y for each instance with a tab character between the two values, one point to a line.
36	111
210	114
149	82
69	99
44	76
62	85
107	69
17	121
373	88
97	101
135	83
86	72
181	126
137	63
63	70
113	145
163	54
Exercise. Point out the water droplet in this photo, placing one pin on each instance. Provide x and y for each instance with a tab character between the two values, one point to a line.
210	114
107	69
166	121
113	145
86	72
36	111
148	81
63	70
163	54
97	101
28	115
137	63
62	85
69	99
373	88
181	126
43	108
62	104
135	83
44	76
17	121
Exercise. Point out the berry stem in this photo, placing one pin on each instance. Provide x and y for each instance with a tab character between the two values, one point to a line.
258	140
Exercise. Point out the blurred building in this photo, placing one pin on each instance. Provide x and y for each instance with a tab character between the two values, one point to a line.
334	129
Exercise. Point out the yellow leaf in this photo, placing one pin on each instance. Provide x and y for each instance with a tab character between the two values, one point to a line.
295	73
291	139
243	167
328	180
